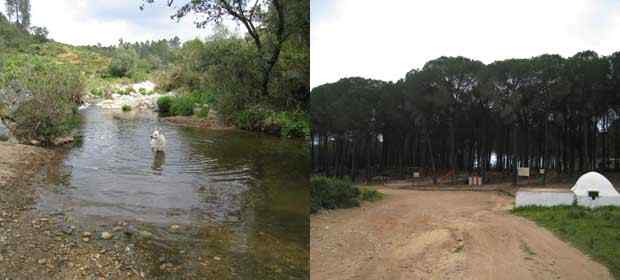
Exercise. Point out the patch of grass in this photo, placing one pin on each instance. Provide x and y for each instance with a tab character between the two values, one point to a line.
594	231
126	108
371	195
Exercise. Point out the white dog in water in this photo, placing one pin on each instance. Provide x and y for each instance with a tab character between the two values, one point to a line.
158	141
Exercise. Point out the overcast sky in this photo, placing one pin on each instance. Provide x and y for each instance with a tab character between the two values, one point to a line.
385	39
90	22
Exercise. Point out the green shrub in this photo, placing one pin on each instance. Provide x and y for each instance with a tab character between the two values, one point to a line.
123	62
292	124
97	92
176	105
370	195
182	106
126	108
163	104
332	193
55	92
252	119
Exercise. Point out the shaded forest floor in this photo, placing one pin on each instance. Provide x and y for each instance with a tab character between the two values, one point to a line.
440	235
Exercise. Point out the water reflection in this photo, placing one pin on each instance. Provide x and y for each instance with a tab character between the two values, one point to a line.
159	159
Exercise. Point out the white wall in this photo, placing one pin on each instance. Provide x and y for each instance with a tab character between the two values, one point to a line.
586	201
552	198
540	198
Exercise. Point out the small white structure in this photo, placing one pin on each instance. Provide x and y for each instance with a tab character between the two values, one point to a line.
591	190
594	182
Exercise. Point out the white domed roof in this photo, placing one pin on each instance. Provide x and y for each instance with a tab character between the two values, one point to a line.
594	181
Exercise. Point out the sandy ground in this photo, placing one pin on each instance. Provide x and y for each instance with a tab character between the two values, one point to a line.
18	161
440	235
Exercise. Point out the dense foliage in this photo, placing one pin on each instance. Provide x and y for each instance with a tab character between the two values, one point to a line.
261	87
594	231
39	97
332	193
456	113
251	79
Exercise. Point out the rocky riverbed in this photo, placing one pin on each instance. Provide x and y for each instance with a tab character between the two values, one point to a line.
140	96
43	245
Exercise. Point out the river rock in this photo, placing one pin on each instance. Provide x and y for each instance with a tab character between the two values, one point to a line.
106	235
131	229
86	234
145	234
66	229
63	140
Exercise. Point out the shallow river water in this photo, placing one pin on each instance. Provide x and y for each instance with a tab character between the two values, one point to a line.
236	196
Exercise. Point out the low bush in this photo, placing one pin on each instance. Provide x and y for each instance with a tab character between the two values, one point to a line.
163	104
176	105
49	92
332	193
286	124
251	119
182	106
97	92
292	124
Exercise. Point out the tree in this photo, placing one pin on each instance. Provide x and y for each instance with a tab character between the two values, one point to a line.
546	112
40	33
454	79
19	12
269	23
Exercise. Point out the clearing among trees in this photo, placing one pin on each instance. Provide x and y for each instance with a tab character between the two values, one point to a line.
440	235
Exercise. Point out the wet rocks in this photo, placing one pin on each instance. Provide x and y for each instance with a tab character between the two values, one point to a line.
130	230
174	227
145	234
66	229
106	235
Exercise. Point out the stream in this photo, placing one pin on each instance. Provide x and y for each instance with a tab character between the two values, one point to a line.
237	197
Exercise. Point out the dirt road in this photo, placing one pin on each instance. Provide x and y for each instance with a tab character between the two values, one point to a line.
440	235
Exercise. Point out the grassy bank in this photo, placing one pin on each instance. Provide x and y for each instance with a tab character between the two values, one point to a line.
596	232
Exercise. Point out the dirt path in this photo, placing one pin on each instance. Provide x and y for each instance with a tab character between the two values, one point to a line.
440	235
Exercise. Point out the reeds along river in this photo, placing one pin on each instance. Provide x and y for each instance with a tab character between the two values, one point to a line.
241	196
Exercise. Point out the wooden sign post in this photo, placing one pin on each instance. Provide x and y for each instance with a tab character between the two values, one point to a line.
524	172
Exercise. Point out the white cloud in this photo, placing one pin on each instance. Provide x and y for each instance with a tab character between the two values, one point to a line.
384	40
88	22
